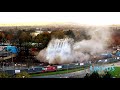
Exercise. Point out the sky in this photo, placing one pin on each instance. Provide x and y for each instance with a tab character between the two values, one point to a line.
44	18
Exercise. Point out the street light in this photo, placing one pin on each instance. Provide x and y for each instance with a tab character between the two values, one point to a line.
3	66
12	57
67	68
12	60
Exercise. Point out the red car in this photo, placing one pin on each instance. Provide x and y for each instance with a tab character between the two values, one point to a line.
49	68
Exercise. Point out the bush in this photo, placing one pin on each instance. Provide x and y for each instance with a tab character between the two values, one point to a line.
87	76
96	75
107	75
4	75
22	75
93	75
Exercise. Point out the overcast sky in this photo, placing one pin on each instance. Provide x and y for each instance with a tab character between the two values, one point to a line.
91	18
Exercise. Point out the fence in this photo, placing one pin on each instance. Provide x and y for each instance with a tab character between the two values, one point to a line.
38	69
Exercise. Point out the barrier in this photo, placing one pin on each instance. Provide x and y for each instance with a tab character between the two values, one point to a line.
39	68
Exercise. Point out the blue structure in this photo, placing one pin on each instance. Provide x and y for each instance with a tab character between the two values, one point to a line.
12	49
118	54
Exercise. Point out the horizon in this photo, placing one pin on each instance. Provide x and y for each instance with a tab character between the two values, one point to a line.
61	18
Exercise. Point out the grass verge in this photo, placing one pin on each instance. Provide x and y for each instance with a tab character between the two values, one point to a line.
57	72
116	72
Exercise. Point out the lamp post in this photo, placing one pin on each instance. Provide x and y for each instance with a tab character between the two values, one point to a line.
67	68
3	66
12	60
12	57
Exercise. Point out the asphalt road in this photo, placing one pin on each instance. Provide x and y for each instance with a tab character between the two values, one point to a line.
81	73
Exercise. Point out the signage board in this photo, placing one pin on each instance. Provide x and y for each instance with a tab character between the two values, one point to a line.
58	67
118	57
81	64
17	71
76	64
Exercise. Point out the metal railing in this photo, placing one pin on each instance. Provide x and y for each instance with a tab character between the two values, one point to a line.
39	68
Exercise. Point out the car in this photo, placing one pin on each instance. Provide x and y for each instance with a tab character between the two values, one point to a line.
100	61
105	60
49	68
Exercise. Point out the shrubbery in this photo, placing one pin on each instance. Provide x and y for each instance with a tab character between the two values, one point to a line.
19	75
107	75
22	75
4	75
96	75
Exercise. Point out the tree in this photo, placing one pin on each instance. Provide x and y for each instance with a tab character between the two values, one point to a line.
9	37
46	38
82	34
43	39
70	34
87	75
22	75
2	36
58	34
94	75
24	37
107	75
115	37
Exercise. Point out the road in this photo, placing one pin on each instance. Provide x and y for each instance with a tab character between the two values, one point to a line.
81	73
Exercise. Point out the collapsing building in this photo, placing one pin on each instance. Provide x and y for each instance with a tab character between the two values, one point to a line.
60	51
